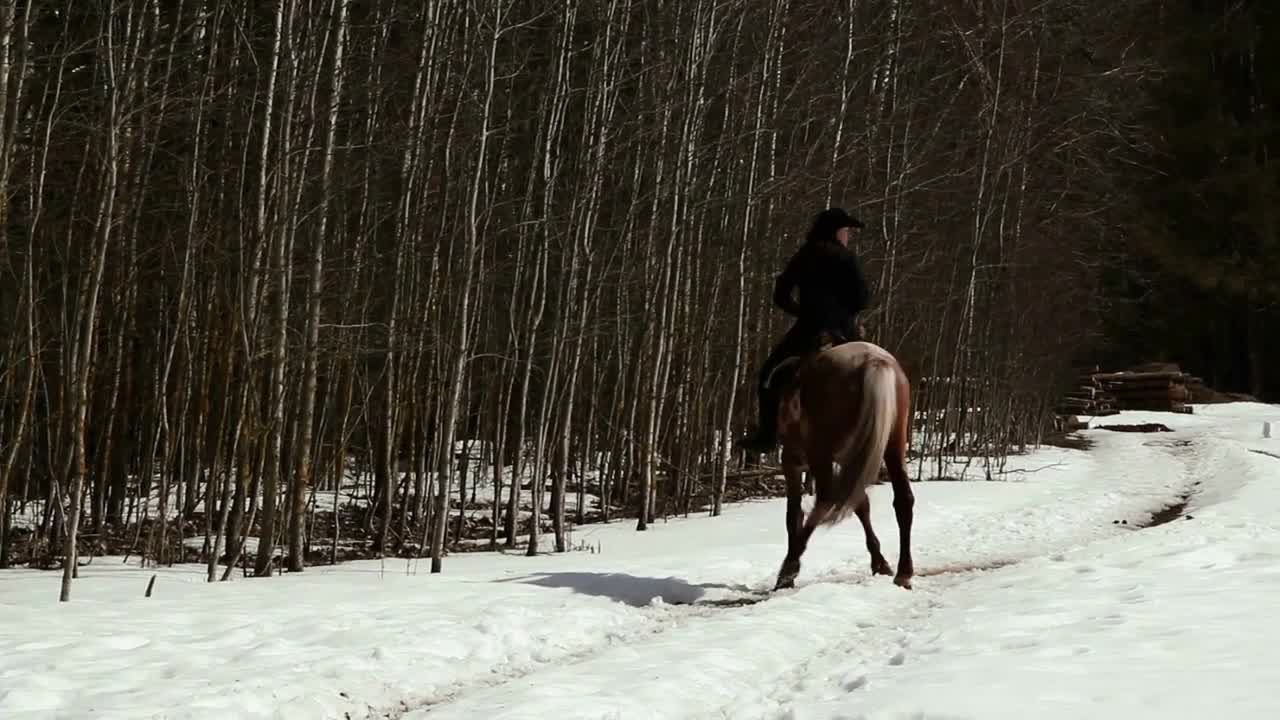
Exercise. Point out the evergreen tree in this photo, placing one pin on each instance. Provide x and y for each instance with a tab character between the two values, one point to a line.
1206	235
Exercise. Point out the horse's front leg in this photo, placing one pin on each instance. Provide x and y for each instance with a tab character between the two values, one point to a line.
819	464
791	465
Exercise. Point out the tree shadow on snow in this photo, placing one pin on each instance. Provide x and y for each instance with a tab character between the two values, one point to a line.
624	588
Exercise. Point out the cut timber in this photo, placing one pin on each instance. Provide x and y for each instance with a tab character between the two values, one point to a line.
1178	394
1139	428
1159	386
1158	367
1138	376
1090	412
1079	402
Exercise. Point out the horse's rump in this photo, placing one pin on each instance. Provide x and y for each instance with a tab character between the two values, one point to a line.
861	455
850	398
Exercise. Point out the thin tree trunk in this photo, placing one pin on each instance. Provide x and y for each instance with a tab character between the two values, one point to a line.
302	477
87	304
471	243
284	48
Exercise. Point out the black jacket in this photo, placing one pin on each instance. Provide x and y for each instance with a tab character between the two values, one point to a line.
832	287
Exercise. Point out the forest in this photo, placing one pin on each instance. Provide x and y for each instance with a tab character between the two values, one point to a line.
290	273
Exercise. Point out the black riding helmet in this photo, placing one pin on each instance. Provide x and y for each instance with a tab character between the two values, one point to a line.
827	222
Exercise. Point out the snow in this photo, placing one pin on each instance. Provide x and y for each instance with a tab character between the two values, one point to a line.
1036	593
356	489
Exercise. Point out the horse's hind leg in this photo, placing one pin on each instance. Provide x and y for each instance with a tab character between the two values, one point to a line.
879	566
895	460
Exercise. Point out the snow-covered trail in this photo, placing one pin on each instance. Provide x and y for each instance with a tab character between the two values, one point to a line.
1084	610
751	661
1175	621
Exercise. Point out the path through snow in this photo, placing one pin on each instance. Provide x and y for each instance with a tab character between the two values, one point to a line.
1084	611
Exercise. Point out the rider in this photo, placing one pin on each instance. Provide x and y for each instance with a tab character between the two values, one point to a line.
832	293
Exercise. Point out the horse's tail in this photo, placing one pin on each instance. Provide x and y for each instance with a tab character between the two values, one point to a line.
862	455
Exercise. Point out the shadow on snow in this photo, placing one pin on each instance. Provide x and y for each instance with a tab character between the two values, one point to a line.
629	589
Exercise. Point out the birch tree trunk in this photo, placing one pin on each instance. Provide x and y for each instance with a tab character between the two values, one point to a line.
87	301
303	475
282	50
471	243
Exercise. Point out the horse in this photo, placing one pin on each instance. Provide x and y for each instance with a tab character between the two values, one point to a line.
846	404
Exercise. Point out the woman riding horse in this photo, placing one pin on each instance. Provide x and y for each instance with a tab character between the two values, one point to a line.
832	293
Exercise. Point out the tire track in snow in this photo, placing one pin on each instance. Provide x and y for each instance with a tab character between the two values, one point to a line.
875	651
660	619
688	617
665	618
799	684
677	618
624	650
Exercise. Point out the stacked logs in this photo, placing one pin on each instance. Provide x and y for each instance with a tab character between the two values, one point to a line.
1162	387
1164	391
1088	398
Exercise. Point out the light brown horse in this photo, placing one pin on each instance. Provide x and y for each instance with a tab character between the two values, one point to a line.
847	404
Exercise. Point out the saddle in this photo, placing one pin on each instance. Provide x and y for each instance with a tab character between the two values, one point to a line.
787	370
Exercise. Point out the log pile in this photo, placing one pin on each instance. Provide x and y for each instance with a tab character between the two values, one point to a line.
1163	390
1087	399
1162	387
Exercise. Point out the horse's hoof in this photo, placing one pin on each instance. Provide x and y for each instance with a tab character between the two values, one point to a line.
903	581
881	567
787	576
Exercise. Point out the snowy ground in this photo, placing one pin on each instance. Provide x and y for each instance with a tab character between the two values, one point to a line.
1038	595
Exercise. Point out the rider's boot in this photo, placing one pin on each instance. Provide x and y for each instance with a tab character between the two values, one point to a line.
761	442
765	438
